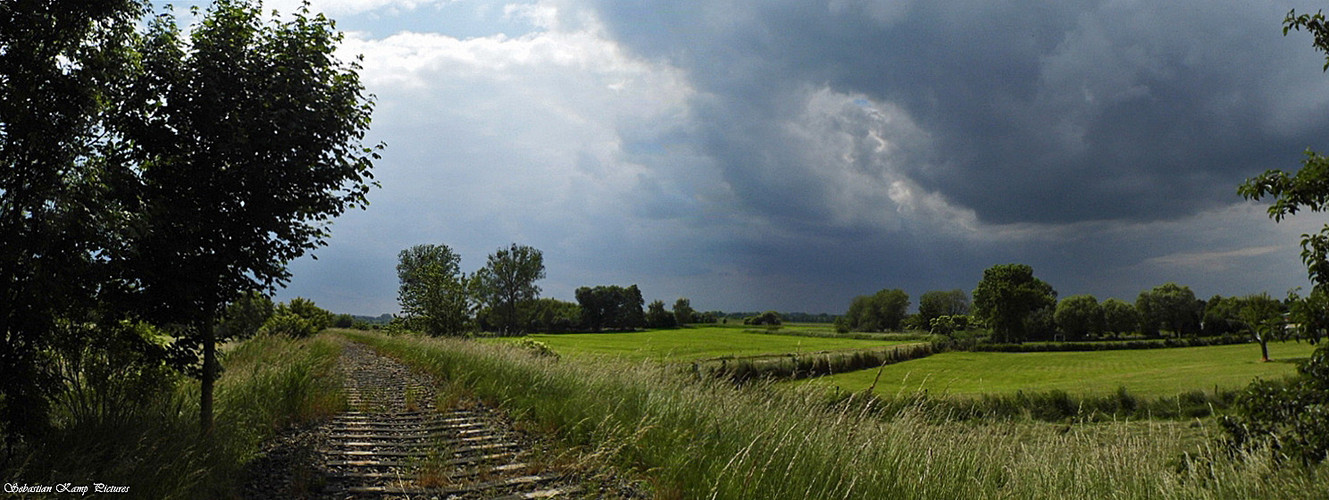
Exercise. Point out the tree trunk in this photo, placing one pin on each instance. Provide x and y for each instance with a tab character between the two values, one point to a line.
1264	348
209	376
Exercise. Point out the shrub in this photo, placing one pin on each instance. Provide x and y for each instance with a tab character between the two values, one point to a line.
1290	417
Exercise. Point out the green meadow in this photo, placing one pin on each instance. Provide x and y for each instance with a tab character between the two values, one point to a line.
1152	372
692	344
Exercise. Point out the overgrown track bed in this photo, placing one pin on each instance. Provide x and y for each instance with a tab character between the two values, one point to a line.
394	442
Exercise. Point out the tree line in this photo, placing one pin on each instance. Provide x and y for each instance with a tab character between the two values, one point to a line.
437	298
1017	306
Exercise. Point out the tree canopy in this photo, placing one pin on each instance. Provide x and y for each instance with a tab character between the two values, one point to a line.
1006	296
433	293
507	280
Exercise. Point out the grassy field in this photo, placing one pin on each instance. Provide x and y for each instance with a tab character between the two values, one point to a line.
684	437
691	344
1154	372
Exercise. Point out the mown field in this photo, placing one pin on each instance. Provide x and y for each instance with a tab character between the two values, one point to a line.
1153	372
691	344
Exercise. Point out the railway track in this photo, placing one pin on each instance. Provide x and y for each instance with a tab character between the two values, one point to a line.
395	443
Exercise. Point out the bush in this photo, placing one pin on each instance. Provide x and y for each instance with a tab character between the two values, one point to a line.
1290	417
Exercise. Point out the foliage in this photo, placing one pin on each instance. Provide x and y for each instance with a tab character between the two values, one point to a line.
611	307
683	313
1007	296
551	315
299	318
658	317
343	321
1169	307
1120	317
245	135
1264	320
433	293
126	421
244	316
1222	316
60	63
938	303
948	324
1079	316
879	312
507	280
1309	314
1292	417
794	366
770	318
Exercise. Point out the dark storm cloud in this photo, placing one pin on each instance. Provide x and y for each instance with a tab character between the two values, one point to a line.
1049	113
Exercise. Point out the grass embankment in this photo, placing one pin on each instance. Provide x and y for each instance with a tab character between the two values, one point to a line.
1151	373
147	436
698	343
703	438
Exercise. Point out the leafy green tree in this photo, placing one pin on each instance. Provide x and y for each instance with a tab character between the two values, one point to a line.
882	311
60	65
683	313
1263	317
941	303
434	294
1120	317
611	307
659	317
1079	316
246	136
1290	416
1222	316
1310	314
1169	307
551	315
507	280
1006	296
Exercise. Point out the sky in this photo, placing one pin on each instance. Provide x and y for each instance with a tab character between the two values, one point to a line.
793	154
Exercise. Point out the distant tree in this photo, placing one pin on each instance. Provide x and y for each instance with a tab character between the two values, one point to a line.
551	315
939	303
434	293
1169	307
1120	317
767	318
611	307
683	313
1264	320
1079	316
1309	314
343	321
1222	316
245	135
1006	297
659	317
507	280
245	316
882	311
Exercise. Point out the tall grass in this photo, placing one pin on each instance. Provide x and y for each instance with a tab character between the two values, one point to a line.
697	437
143	432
